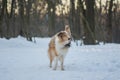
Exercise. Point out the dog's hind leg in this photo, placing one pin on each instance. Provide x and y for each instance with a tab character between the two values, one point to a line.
50	57
51	62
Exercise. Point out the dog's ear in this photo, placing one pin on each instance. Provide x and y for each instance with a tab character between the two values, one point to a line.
67	29
60	34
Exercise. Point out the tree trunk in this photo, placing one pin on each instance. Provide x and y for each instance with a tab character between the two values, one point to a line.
12	7
21	17
109	22
72	17
90	28
77	22
51	17
28	6
116	25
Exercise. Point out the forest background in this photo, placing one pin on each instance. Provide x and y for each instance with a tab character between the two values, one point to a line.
92	21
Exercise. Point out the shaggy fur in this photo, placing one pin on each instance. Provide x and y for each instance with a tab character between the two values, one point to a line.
58	47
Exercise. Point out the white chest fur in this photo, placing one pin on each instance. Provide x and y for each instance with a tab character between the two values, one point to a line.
62	51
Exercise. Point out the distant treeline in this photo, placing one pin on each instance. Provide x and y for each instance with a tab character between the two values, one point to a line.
90	20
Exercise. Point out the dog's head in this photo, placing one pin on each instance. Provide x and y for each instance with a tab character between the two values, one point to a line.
64	37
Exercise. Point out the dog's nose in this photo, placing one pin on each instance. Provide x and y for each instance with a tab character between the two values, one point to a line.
69	38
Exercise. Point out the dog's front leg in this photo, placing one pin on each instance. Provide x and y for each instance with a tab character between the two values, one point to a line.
56	63
62	62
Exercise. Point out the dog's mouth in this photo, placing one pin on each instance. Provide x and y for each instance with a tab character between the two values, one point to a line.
68	45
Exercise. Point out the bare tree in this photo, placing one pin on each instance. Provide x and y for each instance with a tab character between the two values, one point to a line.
90	28
109	22
51	16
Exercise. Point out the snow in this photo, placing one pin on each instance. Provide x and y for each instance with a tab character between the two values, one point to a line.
24	60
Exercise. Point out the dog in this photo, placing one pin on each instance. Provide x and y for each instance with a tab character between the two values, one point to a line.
58	47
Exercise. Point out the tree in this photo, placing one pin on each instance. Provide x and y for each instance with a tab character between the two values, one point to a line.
72	17
90	23
116	24
77	25
51	16
109	22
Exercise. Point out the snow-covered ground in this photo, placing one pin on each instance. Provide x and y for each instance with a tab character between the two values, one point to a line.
23	60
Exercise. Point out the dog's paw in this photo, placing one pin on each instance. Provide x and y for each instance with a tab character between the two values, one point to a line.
62	69
54	68
50	66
